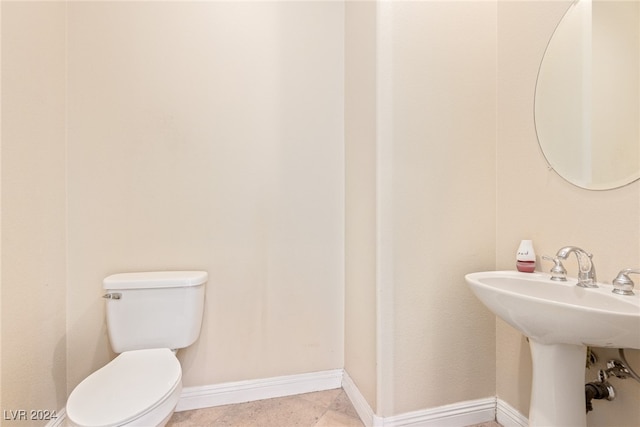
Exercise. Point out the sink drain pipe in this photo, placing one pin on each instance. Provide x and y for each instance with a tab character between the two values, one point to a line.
597	390
601	389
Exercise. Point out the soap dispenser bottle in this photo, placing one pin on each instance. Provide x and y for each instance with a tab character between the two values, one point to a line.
526	257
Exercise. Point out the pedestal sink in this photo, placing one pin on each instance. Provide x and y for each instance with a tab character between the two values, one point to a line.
560	319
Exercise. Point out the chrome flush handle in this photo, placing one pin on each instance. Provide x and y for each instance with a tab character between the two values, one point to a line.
114	295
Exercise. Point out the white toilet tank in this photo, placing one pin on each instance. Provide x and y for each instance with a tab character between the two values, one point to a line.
160	309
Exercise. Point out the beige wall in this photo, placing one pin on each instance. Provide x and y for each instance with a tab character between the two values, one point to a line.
535	203
1	318
209	135
33	207
420	82
437	81
360	202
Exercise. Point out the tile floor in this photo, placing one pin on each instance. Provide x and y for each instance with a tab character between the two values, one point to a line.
330	408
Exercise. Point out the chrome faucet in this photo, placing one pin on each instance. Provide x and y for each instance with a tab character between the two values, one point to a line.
558	272
622	284
586	269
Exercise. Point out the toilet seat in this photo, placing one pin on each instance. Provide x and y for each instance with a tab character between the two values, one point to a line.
131	385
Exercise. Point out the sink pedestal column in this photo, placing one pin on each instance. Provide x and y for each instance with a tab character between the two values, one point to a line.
557	390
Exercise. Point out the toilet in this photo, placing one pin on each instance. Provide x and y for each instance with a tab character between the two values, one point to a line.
149	317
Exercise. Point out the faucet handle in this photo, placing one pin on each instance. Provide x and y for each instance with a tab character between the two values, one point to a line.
622	284
558	272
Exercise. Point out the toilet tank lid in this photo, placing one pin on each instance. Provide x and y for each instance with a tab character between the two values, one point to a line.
155	279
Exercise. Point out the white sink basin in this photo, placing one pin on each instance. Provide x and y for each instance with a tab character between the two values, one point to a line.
560	312
560	319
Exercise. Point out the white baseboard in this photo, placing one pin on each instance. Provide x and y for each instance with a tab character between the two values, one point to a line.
250	390
508	416
454	415
360	404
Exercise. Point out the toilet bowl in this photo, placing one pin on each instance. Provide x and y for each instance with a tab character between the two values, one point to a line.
137	388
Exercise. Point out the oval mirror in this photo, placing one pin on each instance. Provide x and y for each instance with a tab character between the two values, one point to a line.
587	108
